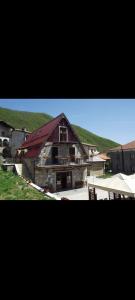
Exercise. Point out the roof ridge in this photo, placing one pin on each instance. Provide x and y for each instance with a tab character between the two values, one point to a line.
46	123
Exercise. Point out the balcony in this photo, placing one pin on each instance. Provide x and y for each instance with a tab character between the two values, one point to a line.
66	161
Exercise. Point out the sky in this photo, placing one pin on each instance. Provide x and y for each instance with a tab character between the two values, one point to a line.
110	118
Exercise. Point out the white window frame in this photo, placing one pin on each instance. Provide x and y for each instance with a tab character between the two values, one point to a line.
66	133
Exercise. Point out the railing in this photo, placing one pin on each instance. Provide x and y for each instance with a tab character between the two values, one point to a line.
66	160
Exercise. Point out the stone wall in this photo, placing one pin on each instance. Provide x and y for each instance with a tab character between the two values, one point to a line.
17	138
79	174
63	151
28	170
97	169
43	176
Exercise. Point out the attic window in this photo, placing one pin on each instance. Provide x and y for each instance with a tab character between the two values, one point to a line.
63	134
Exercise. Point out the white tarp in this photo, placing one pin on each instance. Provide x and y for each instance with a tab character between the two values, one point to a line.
119	183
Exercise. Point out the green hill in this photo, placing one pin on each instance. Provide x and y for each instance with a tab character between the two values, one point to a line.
13	187
31	121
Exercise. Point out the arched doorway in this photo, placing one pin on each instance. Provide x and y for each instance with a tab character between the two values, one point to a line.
5	143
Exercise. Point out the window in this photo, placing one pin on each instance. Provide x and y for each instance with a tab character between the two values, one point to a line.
5	143
63	136
54	155
72	154
132	156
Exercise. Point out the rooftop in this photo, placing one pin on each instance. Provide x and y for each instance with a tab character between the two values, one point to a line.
90	145
128	146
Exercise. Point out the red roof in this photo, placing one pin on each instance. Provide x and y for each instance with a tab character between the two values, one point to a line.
42	134
32	152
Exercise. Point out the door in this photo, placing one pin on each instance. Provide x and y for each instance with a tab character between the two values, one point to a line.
72	154
63	181
54	155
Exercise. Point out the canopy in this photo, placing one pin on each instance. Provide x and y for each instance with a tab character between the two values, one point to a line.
119	183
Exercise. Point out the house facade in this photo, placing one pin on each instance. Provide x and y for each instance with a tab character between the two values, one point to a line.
53	154
96	164
5	137
10	140
123	158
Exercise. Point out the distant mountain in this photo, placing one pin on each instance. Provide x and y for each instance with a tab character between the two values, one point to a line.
32	121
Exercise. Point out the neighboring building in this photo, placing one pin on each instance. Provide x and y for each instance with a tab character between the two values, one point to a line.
96	164
123	158
18	136
54	154
11	139
107	161
90	149
5	136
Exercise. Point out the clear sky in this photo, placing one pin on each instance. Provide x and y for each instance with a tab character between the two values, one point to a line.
112	118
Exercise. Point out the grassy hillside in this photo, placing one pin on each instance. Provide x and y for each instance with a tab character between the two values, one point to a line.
31	121
23	119
13	187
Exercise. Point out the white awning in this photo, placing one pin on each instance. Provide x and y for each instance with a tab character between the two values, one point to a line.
119	183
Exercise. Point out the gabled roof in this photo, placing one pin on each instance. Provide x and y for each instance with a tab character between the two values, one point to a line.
6	124
128	146
42	134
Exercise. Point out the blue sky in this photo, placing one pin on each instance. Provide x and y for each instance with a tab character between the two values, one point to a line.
110	118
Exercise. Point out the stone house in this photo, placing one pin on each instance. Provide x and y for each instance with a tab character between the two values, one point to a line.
96	164
123	158
53	154
10	140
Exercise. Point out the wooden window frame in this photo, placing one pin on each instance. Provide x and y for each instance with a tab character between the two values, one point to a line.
66	133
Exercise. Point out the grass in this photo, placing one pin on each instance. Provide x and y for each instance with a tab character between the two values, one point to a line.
107	175
13	187
32	121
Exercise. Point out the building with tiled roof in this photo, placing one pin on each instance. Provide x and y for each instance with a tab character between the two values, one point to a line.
54	155
123	158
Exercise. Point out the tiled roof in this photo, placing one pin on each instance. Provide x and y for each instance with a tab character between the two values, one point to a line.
104	156
32	152
42	134
128	146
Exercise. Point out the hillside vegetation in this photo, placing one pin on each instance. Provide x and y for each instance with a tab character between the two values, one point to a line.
32	121
13	187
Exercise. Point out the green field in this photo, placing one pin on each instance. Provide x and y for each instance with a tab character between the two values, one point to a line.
13	187
32	121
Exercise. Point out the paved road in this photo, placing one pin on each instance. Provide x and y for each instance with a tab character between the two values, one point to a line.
81	194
